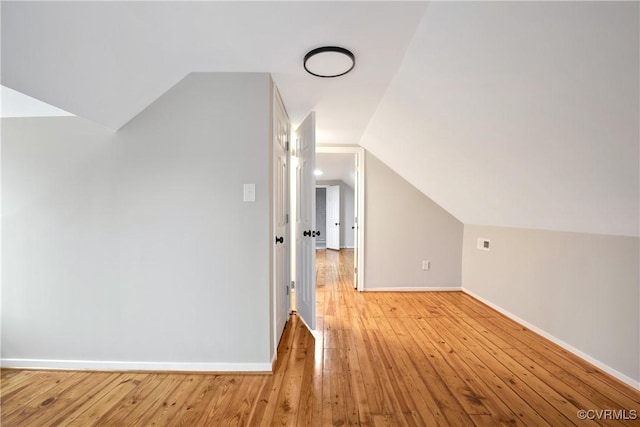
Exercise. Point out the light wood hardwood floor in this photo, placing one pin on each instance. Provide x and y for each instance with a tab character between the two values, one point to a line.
396	359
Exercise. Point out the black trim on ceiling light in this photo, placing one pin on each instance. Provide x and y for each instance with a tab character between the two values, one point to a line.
334	49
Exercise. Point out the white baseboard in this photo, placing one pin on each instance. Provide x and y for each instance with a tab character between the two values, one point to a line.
415	289
93	365
606	368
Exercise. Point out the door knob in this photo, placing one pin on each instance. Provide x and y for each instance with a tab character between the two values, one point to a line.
316	233
337	223
307	233
279	239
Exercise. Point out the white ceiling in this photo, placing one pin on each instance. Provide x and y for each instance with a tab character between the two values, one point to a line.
17	104
337	167
520	114
107	61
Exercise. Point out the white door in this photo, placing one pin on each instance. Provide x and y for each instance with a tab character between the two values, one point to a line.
333	217
281	217
305	183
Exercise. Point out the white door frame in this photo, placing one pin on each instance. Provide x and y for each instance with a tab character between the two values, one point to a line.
360	223
276	288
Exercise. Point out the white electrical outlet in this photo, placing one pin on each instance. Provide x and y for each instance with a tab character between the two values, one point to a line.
425	265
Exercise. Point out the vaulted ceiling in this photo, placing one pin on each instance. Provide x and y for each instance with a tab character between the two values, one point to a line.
522	114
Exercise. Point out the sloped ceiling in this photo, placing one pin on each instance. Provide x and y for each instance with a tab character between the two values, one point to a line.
521	114
17	104
106	61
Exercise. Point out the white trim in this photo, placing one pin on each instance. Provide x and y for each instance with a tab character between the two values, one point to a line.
416	289
277	104
619	375
95	365
347	247
305	323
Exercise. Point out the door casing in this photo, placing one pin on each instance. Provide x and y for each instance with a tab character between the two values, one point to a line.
280	218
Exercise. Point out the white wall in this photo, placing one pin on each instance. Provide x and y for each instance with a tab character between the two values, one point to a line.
404	227
581	289
347	209
136	246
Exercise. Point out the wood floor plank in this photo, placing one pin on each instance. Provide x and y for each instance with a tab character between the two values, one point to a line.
288	399
502	388
217	402
265	406
194	406
326	411
72	399
31	387
384	420
566	366
557	411
9	373
360	369
392	371
311	386
92	412
119	412
423	384
376	359
172	403
15	379
36	401
442	367
576	394
379	401
237	413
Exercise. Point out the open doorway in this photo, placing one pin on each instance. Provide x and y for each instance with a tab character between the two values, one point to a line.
340	203
355	225
335	201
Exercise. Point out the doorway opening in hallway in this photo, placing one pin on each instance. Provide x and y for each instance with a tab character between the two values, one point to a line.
339	207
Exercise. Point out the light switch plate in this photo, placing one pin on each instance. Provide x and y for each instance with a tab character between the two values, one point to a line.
249	193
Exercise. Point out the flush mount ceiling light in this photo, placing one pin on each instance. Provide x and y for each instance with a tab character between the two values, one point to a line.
329	61
317	172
